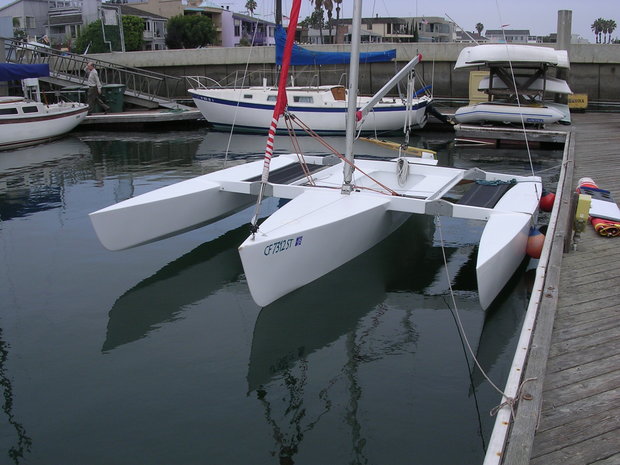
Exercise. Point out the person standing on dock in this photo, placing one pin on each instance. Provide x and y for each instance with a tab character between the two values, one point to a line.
94	89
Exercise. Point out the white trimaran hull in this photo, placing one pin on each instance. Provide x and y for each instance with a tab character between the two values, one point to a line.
325	225
320	229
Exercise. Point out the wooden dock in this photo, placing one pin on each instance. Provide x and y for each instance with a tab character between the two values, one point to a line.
138	119
569	409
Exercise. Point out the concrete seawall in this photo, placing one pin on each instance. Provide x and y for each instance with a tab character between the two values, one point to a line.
595	68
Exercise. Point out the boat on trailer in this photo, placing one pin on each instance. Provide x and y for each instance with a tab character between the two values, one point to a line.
339	207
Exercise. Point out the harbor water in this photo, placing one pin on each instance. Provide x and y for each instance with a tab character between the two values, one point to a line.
158	355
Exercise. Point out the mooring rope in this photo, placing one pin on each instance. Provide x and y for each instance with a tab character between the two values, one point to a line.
509	401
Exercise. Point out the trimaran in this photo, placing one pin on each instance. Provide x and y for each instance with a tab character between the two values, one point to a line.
339	206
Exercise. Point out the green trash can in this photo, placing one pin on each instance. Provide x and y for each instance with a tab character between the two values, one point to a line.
114	96
77	94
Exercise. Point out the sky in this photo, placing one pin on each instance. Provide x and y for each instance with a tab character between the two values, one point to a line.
539	16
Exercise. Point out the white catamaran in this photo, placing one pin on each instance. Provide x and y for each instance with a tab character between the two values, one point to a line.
339	208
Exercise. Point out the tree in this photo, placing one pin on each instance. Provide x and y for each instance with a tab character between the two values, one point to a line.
328	5
338	3
315	20
133	31
318	14
479	28
597	28
190	31
91	37
250	5
611	27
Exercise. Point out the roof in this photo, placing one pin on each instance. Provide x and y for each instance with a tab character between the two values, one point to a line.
383	20
508	32
58	19
252	18
131	11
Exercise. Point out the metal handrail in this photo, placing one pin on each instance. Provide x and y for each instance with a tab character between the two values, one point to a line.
67	66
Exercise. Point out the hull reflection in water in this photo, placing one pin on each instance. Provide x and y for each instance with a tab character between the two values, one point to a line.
161	298
312	347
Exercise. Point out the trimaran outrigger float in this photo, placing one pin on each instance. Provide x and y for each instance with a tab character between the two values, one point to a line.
339	206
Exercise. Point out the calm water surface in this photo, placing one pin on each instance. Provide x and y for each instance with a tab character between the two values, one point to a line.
158	355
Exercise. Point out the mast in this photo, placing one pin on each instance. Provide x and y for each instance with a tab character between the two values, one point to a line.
278	12
352	95
278	109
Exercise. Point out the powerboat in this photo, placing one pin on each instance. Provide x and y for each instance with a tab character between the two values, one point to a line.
28	121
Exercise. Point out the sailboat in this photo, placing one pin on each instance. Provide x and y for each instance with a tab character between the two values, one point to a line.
339	206
322	108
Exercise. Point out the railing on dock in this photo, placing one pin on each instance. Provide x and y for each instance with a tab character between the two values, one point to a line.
238	79
67	69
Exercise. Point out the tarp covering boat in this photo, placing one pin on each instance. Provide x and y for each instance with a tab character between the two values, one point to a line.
302	56
15	72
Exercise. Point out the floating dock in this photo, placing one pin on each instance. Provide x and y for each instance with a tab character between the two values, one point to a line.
565	377
133	119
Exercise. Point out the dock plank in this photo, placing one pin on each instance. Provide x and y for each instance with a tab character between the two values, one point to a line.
579	415
573	413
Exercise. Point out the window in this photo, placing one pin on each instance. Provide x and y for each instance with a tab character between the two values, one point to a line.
30	109
272	98
248	96
74	30
237	27
8	111
30	22
302	99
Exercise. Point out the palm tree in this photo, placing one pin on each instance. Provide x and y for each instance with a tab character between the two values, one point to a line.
318	12
328	6
479	28
250	5
338	3
597	28
611	27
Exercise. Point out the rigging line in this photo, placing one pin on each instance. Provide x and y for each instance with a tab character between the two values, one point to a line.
457	24
295	141
245	72
342	157
514	83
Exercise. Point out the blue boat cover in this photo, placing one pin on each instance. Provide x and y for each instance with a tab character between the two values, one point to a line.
15	72
302	56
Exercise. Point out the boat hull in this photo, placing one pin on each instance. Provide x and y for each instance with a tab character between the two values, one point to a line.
320	228
313	234
547	84
498	54
47	123
227	109
500	113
